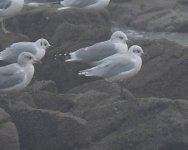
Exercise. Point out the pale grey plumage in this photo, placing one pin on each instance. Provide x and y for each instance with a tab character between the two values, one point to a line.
9	8
37	48
4	4
78	3
10	76
101	50
118	67
15	77
84	4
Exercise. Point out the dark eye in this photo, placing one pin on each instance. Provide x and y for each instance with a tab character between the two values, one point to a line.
136	51
121	37
45	44
29	57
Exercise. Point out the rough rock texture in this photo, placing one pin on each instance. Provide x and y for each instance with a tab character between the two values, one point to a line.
164	70
76	113
8	133
47	130
151	15
116	123
66	31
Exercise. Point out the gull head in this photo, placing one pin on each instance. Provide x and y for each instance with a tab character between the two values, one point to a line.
119	36
42	43
26	58
137	50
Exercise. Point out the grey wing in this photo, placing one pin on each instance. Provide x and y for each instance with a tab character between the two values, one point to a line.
4	4
119	68
10	76
11	53
79	3
112	67
96	52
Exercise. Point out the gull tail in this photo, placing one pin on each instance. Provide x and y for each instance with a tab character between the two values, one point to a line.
70	57
88	72
63	8
1	57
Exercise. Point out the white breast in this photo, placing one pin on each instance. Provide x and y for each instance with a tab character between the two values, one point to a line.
121	47
40	53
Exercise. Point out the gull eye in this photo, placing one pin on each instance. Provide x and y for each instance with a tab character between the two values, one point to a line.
121	38
136	51
45	44
29	57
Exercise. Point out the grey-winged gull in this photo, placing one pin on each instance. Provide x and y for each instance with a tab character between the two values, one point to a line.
101	50
37	48
9	8
17	76
85	4
118	67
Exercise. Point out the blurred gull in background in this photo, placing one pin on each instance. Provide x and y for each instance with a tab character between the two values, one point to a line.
118	67
38	49
86	4
9	8
98	51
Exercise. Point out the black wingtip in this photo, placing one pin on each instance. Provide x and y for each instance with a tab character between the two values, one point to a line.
67	56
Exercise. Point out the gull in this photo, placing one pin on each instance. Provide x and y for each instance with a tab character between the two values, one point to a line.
101	50
85	4
118	67
38	49
17	76
9	8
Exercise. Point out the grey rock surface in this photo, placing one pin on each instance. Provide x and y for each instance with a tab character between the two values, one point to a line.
151	15
9	139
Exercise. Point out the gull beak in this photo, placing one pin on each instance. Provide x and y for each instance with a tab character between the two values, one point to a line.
145	54
37	61
49	46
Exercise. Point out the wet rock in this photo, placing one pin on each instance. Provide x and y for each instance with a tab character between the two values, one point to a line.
151	15
47	130
116	123
41	95
66	31
155	124
7	39
9	139
49	86
164	70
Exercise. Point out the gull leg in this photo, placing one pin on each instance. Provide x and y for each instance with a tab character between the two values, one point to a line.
124	92
5	101
3	27
121	88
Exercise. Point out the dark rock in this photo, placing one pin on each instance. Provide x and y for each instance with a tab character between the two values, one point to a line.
155	124
164	70
7	39
143	123
47	130
151	15
66	31
49	86
41	95
9	139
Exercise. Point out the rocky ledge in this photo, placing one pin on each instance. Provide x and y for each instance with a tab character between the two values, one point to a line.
74	113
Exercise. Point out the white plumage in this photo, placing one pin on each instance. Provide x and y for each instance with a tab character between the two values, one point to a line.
38	49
